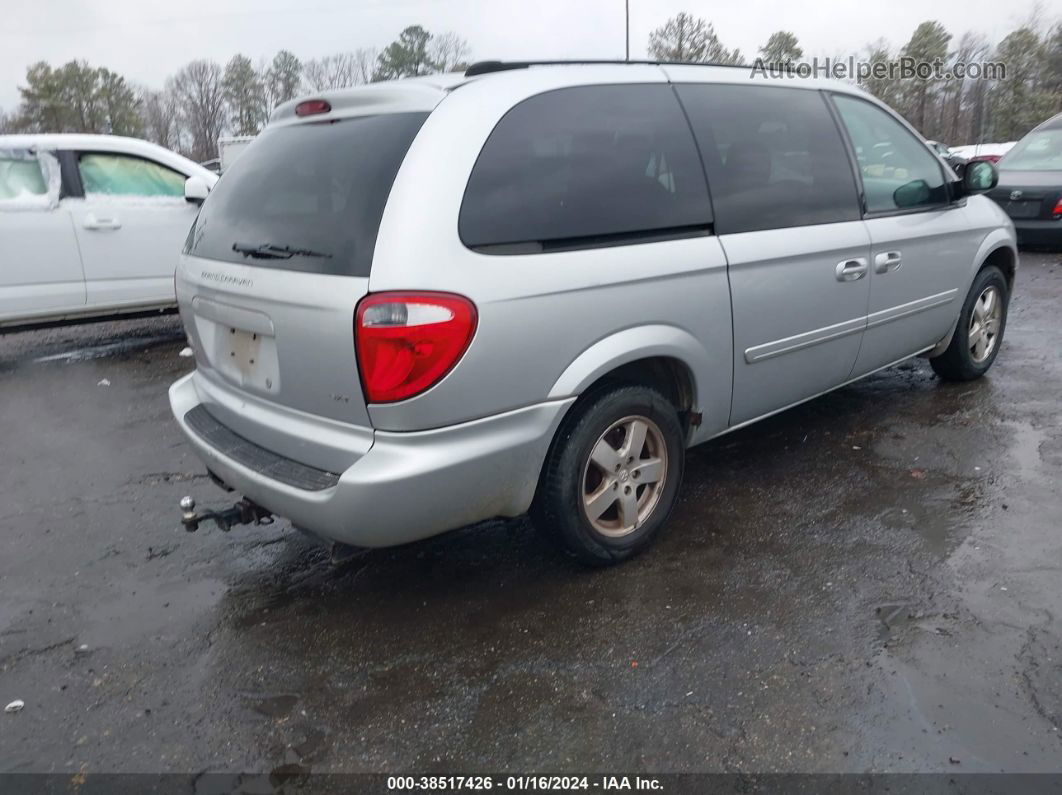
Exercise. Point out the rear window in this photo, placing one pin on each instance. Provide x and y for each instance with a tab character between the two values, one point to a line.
586	166
20	174
1040	150
309	197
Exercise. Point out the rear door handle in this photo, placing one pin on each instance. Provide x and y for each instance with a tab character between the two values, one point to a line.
851	269
101	224
887	261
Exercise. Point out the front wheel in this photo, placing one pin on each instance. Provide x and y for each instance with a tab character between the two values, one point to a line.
612	475
979	332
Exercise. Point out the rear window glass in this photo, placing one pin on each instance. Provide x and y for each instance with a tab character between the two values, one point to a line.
20	174
1040	150
308	197
580	165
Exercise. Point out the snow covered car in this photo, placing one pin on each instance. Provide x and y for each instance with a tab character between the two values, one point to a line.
91	225
990	152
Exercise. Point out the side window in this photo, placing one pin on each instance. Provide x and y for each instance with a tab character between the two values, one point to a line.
898	171
20	175
125	175
577	166
774	157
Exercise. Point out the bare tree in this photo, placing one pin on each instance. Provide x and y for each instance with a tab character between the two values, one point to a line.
339	70
201	96
955	96
7	122
161	115
448	52
365	63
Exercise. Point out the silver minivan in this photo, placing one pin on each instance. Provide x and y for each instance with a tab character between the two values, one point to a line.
529	288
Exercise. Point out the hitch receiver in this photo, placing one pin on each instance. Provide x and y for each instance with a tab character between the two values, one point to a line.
243	512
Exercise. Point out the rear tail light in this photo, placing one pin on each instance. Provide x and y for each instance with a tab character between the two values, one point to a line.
407	342
1057	212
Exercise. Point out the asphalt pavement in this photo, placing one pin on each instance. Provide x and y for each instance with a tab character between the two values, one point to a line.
869	582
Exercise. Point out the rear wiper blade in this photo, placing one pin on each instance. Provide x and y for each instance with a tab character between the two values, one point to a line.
270	251
261	252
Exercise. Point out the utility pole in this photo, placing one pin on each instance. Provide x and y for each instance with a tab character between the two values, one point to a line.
627	7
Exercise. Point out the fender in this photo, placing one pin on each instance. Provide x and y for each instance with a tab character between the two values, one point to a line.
642	342
994	240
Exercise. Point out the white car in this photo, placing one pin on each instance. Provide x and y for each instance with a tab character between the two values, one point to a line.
991	152
91	225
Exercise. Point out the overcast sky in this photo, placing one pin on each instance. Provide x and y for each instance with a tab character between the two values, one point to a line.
146	41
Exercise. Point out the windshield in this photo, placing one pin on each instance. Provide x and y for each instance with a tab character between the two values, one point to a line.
1040	150
307	197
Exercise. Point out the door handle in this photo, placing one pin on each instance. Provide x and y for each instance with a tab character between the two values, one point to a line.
887	261
851	269
101	224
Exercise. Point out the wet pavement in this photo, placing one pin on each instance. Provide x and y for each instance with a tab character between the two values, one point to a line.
870	582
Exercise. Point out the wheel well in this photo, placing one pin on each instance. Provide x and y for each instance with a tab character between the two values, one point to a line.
670	377
1004	259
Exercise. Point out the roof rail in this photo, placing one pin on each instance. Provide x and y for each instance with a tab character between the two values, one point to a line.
486	67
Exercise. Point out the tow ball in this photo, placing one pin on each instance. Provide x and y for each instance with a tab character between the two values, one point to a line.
243	512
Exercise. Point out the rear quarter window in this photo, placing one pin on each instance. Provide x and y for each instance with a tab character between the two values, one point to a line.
582	166
317	187
20	174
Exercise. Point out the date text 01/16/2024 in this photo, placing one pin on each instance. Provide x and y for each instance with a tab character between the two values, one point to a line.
522	783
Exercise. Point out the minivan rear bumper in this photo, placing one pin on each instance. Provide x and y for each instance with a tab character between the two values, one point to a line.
408	486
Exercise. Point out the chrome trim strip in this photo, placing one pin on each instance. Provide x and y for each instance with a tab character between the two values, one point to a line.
910	308
769	350
746	423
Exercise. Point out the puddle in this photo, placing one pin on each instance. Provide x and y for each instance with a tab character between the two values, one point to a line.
1025	451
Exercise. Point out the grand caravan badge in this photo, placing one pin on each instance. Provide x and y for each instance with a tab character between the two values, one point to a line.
224	278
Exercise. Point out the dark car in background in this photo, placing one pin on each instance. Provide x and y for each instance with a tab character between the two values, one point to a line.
1030	185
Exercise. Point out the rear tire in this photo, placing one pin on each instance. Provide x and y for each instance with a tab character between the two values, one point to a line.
612	475
979	332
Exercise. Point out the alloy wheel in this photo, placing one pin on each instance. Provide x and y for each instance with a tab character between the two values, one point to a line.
624	476
985	321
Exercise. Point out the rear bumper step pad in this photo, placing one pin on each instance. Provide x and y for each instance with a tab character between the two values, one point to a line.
255	457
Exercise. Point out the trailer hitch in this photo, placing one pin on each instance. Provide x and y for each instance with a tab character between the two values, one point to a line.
243	512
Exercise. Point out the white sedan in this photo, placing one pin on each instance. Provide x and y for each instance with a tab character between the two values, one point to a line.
91	225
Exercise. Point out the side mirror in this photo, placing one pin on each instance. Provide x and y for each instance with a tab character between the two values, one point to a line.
979	176
912	194
195	190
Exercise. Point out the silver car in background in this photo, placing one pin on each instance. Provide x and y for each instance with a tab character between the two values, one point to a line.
419	304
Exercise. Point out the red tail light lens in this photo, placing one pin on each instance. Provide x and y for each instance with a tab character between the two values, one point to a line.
312	107
406	342
1057	212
